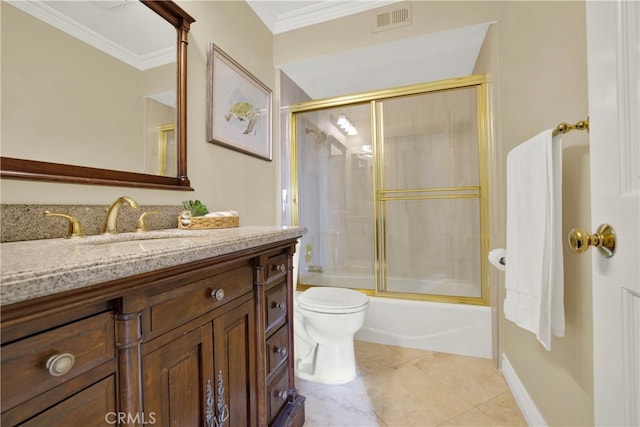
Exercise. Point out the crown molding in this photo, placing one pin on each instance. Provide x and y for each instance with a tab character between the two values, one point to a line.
312	14
62	22
264	13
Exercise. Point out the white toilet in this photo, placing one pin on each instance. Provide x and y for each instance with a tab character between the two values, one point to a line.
325	322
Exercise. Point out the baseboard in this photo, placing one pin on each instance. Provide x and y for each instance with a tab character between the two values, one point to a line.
530	411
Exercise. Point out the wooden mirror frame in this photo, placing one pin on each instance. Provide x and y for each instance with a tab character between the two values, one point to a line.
57	172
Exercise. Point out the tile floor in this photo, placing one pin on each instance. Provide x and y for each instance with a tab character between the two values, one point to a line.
402	387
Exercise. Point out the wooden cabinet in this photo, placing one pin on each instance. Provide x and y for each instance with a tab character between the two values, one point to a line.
201	344
281	402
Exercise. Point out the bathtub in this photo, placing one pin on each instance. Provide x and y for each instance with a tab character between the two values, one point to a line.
442	327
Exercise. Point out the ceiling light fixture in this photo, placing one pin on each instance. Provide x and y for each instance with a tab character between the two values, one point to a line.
345	124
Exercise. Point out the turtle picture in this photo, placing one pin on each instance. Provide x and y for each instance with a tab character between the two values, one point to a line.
243	111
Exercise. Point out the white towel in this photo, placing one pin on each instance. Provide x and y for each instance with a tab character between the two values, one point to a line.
534	276
221	214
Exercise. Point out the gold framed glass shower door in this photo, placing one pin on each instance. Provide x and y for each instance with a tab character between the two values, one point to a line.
429	199
425	174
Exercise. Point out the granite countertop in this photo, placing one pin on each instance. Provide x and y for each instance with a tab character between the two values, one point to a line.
38	268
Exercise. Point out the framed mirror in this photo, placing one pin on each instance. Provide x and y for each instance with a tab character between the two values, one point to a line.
97	106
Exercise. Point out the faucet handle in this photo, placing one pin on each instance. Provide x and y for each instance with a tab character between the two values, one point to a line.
75	229
141	225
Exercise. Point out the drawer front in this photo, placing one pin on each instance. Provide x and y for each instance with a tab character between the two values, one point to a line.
38	363
94	406
277	349
278	394
277	267
276	306
180	305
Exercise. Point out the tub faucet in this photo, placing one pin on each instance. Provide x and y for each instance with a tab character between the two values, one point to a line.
109	226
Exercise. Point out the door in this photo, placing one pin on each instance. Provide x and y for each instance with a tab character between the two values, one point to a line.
235	367
431	194
178	380
613	38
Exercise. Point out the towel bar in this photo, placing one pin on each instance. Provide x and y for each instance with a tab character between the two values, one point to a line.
566	127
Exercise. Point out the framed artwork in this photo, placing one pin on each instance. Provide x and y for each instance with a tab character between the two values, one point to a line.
239	107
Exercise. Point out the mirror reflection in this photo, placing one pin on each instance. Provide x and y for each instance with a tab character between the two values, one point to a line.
86	88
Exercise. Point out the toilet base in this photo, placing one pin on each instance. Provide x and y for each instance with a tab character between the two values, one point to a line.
334	364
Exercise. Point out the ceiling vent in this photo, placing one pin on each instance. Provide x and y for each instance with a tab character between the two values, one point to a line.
393	17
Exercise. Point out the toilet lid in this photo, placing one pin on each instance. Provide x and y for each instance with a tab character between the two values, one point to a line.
332	300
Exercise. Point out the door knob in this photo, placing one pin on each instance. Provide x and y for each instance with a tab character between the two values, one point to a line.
604	239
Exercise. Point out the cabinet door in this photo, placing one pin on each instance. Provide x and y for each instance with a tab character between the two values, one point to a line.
175	380
235	365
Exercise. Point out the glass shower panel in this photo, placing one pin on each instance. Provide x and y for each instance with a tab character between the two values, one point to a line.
430	140
335	198
429	194
433	247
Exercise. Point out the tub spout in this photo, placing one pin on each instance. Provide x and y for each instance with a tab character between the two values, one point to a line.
314	269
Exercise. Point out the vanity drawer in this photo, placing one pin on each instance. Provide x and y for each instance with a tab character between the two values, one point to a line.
277	350
38	363
276	306
278	394
182	304
276	267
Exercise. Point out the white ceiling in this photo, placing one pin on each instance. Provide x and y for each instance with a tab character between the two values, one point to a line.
425	58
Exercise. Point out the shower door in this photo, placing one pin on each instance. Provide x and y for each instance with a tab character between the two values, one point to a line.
334	183
429	195
400	206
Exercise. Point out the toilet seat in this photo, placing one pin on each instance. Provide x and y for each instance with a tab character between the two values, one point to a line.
333	300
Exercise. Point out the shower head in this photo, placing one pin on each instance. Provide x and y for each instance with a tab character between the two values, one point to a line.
320	136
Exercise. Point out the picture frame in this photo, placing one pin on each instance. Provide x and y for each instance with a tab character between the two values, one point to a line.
238	107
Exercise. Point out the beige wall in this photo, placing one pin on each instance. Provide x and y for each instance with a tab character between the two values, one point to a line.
539	80
222	178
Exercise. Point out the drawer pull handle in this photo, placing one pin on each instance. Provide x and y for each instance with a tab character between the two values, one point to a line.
279	305
217	294
280	268
283	394
60	364
281	351
221	408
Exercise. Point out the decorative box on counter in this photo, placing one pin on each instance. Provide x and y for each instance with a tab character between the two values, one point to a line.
225	219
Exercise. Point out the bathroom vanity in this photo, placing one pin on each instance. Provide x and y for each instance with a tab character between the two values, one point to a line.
175	327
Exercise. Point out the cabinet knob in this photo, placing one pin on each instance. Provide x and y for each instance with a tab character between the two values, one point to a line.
60	364
281	351
279	305
283	394
217	294
280	268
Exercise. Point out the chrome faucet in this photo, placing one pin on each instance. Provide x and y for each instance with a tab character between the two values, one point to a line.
109	226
